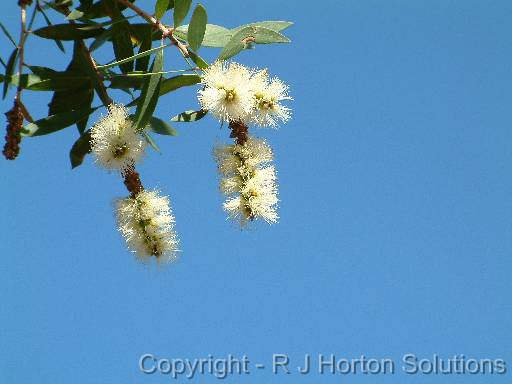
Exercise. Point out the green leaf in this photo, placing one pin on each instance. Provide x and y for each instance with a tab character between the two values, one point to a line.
161	7
247	35
80	148
150	93
173	83
121	39
125	82
197	60
72	99
181	8
54	123
98	10
9	69
189	116
6	32
48	22
150	141
138	31
277	26
197	27
75	14
68	31
161	127
101	39
214	35
58	82
137	56
142	63
217	37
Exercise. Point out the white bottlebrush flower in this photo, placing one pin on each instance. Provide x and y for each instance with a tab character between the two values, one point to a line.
227	93
147	224
268	96
253	153
115	141
248	181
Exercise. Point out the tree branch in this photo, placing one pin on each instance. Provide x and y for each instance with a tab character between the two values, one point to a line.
21	47
166	31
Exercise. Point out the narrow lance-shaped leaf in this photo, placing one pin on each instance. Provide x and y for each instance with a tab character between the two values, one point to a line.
150	93
68	32
217	37
161	7
80	148
50	81
101	39
55	122
9	69
76	98
173	83
197	27
277	26
198	60
181	8
247	35
150	141
214	35
137	56
189	116
161	127
142	63
121	40
6	32
75	14
48	22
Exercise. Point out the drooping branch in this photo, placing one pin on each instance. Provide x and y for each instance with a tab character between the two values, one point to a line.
21	46
166	31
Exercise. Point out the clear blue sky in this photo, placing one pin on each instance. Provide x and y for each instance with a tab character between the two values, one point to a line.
396	210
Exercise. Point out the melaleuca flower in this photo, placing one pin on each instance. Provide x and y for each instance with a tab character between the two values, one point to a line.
115	141
248	180
268	94
147	224
227	91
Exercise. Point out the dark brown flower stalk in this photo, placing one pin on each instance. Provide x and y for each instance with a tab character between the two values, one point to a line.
132	181
239	131
13	135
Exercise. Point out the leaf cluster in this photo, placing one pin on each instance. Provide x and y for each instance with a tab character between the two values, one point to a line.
137	65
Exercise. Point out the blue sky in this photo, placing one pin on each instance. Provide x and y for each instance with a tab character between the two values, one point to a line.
396	203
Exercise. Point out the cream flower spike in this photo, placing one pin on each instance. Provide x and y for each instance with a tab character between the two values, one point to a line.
147	224
115	141
268	96
227	93
248	181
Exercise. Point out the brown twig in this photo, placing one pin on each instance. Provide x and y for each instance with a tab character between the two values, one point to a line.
166	31
21	45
